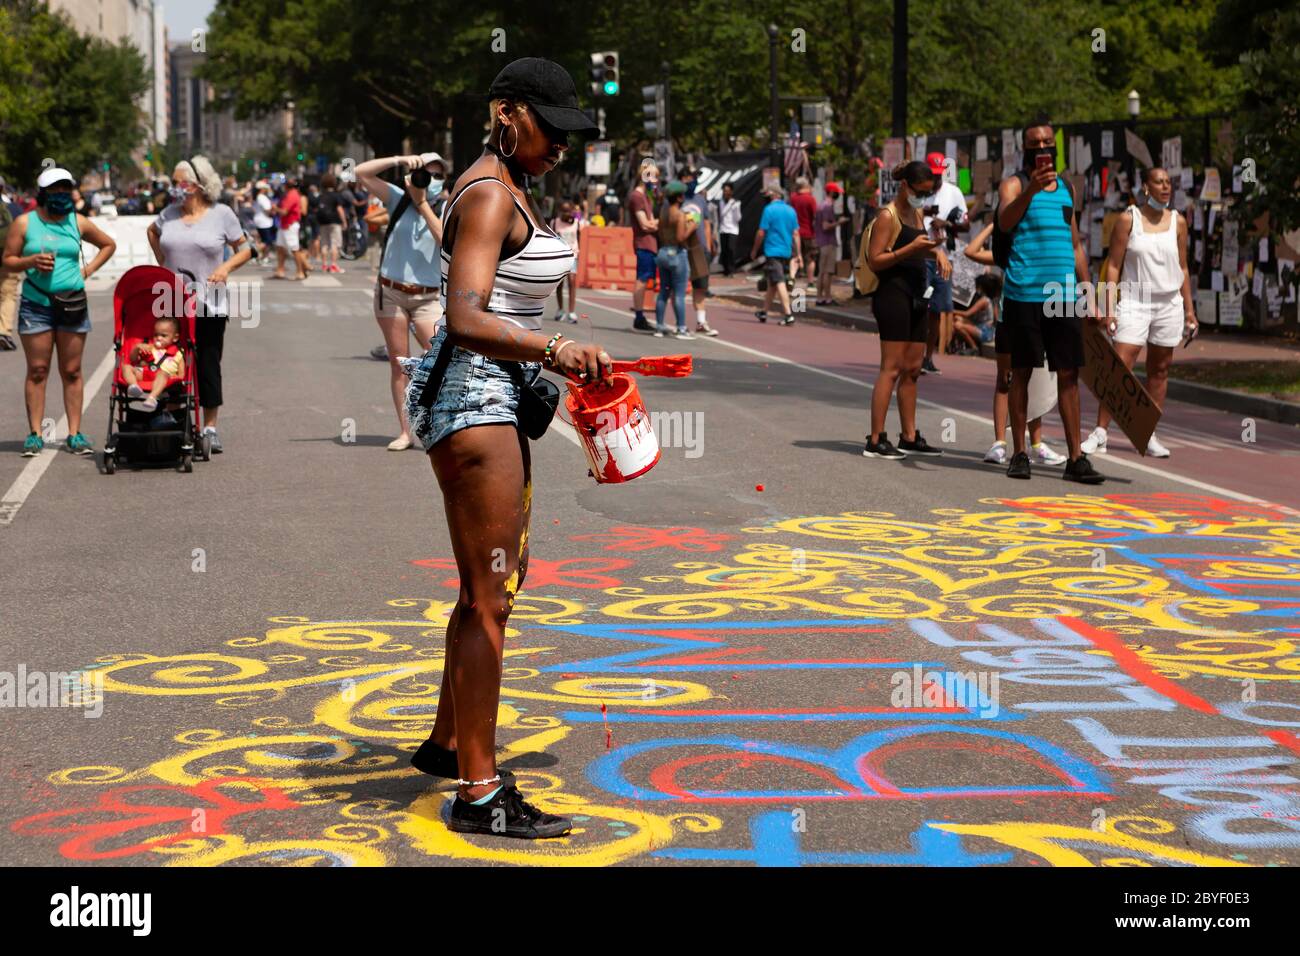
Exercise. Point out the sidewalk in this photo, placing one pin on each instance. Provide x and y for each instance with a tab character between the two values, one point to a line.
1208	356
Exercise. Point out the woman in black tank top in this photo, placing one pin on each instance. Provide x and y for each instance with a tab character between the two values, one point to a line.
897	254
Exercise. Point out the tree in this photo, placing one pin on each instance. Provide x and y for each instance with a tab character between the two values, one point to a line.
64	96
1262	37
1156	48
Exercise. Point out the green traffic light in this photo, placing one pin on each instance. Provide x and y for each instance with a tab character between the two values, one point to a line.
611	87
300	155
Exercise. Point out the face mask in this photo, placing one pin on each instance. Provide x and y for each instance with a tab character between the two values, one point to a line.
1155	203
650	183
435	187
178	193
690	189
917	202
59	204
1032	154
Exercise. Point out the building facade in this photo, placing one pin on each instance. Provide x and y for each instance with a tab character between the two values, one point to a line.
139	22
200	127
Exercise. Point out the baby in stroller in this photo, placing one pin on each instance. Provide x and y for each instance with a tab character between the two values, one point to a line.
154	365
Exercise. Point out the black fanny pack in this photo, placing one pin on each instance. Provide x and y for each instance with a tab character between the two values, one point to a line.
537	402
68	307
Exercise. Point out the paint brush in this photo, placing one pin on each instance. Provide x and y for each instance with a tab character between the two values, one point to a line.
664	366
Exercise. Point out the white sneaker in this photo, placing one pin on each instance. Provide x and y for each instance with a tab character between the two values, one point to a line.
1155	449
1046	456
705	329
1094	444
997	455
135	391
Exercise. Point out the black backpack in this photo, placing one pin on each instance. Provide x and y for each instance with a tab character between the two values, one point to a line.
1002	240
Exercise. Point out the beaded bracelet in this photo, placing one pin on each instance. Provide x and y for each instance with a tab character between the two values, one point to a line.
549	358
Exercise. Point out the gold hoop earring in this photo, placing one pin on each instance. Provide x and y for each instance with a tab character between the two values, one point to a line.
516	143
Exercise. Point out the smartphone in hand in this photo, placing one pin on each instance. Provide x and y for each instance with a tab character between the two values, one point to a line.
1043	161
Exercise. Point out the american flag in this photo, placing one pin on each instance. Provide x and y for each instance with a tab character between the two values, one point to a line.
796	156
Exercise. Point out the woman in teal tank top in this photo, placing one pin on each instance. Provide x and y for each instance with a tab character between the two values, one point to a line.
45	244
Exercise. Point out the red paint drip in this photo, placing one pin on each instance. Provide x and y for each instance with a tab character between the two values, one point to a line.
609	734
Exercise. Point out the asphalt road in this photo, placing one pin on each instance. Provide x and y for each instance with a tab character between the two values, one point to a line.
766	650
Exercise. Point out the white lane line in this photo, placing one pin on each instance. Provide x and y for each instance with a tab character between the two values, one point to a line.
26	481
566	432
1136	466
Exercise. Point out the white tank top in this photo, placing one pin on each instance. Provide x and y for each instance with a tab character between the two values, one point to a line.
1151	259
525	280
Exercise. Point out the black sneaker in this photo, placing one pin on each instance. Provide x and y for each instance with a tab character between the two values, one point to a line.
641	324
928	366
440	762
760	315
918	446
1019	467
881	449
506	814
1081	470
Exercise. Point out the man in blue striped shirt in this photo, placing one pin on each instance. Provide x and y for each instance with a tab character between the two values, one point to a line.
1039	310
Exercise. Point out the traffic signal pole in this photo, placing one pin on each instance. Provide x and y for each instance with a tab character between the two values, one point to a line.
899	127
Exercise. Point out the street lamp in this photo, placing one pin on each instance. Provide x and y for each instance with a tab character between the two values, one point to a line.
771	66
1134	107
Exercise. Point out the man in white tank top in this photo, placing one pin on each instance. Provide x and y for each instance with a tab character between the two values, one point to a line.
1148	260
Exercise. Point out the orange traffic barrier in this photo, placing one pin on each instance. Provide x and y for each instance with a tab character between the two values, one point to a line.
606	259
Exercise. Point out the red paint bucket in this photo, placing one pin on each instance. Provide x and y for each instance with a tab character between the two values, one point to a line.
614	427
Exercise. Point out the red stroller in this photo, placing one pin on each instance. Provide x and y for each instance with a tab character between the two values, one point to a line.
171	433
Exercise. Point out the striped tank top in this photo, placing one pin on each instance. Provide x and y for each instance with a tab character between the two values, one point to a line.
1042	253
524	281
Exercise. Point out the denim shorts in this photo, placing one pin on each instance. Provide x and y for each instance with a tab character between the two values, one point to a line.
34	318
476	390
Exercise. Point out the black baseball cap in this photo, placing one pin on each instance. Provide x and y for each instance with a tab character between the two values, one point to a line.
548	88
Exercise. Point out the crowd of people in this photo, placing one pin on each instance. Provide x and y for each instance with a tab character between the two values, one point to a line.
1031	302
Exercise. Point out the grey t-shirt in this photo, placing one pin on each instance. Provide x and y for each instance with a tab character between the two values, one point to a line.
199	248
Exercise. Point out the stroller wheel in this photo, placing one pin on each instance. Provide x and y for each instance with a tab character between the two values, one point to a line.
110	464
205	448
187	464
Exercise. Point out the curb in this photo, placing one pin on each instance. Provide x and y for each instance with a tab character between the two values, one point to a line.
1254	406
1221	399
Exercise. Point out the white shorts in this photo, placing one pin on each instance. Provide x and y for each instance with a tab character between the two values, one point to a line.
1157	322
287	237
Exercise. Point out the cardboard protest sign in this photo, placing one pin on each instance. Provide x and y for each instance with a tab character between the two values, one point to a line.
1117	388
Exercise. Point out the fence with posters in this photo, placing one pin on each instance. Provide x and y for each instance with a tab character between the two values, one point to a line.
1243	274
